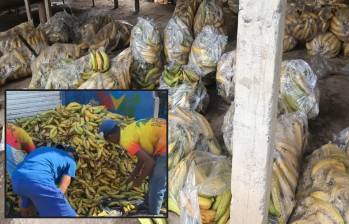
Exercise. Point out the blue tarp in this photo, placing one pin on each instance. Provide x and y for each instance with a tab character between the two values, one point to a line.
138	104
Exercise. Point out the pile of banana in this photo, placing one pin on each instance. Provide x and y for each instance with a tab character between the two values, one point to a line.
174	75
291	138
209	13
11	199
189	131
323	193
215	209
177	41
99	61
146	47
321	25
102	168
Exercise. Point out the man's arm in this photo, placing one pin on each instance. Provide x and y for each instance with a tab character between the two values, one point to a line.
137	170
65	182
148	164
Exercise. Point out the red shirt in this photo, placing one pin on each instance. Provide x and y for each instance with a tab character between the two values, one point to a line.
19	138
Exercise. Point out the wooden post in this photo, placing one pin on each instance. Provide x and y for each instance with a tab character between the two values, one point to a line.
42	13
259	51
137	6
48	10
93	3
116	4
28	11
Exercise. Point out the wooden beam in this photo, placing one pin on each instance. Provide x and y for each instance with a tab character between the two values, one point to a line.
48	10
116	4
42	13
259	51
137	6
28	11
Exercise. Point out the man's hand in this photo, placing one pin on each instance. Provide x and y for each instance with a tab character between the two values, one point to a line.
65	182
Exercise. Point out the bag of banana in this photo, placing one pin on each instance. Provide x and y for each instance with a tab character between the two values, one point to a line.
92	24
185	11
102	168
62	28
225	76
346	49
152	221
290	141
205	196
302	24
210	13
233	5
340	24
107	37
177	41
117	77
146	51
323	193
298	88
207	49
49	57
325	44
14	64
189	131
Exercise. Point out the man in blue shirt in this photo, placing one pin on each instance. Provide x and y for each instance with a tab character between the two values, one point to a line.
36	179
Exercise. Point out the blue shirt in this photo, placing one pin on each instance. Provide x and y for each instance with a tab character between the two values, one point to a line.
45	165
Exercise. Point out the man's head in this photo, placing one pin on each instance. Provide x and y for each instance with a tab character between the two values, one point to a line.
110	130
70	150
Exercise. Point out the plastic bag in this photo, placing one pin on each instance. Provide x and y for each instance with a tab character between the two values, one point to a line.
14	65
301	24
340	24
189	96
325	44
234	5
210	13
62	28
189	131
92	24
225	76
298	88
289	43
146	51
185	11
207	49
177	41
67	74
48	59
324	184
342	140
117	77
208	175
227	128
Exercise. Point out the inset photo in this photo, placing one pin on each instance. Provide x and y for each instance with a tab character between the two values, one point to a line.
82	153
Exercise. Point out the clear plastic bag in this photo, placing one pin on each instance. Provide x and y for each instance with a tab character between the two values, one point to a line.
91	25
342	140
67	74
227	128
189	131
210	13
107	37
117	77
177	41
298	88
62	28
225	76
208	175
207	49
185	11
49	58
189	96
14	65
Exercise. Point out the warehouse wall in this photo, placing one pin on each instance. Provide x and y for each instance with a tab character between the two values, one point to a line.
28	103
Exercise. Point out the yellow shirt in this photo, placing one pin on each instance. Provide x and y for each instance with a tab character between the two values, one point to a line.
147	134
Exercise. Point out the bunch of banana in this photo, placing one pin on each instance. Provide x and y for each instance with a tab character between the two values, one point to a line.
174	75
302	25
210	13
289	42
149	81
102	169
324	17
346	49
207	49
189	131
99	61
177	41
323	193
290	143
340	24
325	44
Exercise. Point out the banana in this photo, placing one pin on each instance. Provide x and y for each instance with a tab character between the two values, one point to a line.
205	203
106	61
321	195
99	60
324	207
224	205
327	164
93	61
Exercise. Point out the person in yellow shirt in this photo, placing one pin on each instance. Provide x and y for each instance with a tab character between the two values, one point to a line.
147	140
